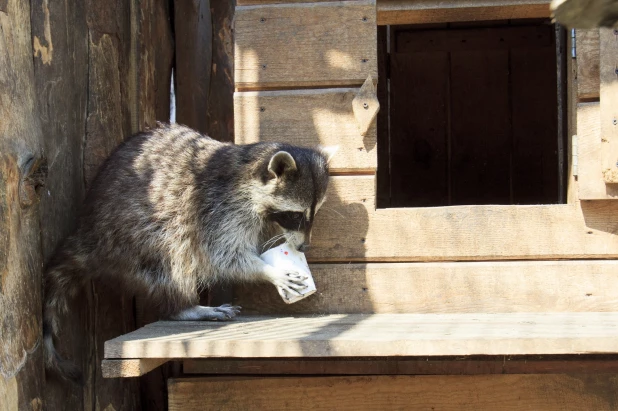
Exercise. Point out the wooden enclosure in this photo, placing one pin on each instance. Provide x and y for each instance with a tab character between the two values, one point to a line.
76	78
465	257
495	256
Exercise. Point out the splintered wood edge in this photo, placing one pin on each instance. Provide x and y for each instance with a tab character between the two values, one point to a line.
127	368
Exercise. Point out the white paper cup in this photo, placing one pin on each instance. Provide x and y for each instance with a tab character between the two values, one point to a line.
285	257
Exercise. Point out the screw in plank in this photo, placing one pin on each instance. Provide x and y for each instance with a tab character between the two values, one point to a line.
365	106
264	66
615	122
616	32
363	60
262	109
262	19
364	18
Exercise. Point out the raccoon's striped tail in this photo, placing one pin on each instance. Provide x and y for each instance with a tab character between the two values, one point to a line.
62	281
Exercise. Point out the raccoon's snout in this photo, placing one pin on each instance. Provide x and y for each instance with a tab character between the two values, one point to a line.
303	247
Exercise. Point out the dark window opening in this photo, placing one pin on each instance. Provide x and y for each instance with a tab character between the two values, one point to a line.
471	114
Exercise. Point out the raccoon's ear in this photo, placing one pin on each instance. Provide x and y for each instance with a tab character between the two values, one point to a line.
282	162
329	152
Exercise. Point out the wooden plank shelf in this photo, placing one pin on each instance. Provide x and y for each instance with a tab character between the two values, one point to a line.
371	335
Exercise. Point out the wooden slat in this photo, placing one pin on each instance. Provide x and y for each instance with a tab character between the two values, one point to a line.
587	46
589	154
383	186
305	44
349	228
307	118
609	103
130	367
358	393
375	335
391	12
506	287
554	364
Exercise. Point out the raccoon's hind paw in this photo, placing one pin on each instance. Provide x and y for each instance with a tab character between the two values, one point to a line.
201	313
230	311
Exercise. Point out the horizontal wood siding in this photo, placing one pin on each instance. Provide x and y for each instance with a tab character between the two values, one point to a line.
305	44
307	118
349	228
357	393
505	287
392	12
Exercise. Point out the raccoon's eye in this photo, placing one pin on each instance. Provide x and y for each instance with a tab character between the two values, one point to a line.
290	220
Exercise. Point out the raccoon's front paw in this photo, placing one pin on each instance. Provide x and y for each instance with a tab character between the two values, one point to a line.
290	281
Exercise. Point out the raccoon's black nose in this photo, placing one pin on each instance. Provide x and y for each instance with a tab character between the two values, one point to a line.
303	247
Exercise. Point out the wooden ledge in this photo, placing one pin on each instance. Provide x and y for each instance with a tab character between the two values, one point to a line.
376	335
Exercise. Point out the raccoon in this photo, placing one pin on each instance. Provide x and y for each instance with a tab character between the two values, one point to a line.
173	211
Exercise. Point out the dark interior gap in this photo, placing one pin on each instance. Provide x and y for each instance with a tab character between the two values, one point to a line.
501	150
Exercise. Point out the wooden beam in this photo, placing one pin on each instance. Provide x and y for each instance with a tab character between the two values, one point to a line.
588	60
349	228
589	364
305	44
376	335
307	118
590	146
129	367
504	287
446	393
609	104
392	12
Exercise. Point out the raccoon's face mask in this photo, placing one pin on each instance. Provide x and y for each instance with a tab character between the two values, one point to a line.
300	183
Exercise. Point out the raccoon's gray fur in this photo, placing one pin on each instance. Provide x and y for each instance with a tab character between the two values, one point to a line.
173	211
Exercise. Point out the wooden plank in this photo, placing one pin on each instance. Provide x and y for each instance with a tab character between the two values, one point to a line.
192	72
609	103
419	129
305	44
489	287
130	367
392	12
534	119
375	335
588	60
307	118
22	379
589	155
383	186
554	364
220	108
447	393
480	127
61	80
569	231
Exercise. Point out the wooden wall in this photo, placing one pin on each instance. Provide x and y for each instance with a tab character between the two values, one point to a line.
76	78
